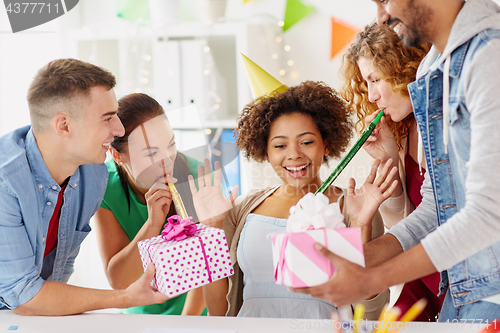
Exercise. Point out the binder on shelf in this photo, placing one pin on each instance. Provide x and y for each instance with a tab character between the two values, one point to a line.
202	84
167	77
191	79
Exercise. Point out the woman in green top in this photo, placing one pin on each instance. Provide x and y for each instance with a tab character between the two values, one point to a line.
137	200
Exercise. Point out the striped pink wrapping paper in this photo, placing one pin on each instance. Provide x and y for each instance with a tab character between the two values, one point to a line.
297	263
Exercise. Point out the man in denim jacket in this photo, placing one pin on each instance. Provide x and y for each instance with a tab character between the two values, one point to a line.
53	171
456	228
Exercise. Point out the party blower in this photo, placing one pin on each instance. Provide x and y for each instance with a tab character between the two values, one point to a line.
362	139
176	197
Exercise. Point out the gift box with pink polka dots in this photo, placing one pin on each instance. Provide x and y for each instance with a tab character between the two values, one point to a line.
189	263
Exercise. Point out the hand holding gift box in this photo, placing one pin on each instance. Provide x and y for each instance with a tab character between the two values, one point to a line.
297	263
186	256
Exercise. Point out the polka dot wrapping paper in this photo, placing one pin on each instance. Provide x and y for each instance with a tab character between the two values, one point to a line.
189	263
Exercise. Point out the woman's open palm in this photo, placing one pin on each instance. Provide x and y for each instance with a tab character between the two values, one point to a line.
362	204
209	202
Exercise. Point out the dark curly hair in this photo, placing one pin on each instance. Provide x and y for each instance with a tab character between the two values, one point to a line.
328	111
396	63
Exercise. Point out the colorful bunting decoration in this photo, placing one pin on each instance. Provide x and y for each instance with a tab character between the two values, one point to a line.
131	10
342	35
295	11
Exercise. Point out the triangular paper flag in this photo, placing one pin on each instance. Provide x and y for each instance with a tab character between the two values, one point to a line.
131	10
295	11
261	82
342	35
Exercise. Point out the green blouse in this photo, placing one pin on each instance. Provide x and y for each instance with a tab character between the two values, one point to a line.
132	220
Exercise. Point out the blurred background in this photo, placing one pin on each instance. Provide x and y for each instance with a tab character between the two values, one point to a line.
186	53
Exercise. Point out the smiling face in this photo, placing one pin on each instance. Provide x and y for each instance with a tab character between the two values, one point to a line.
381	92
97	127
412	20
151	152
295	150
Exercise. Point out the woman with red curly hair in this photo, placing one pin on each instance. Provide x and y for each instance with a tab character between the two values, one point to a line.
296	131
377	67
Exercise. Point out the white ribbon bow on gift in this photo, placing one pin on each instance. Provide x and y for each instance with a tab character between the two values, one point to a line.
314	212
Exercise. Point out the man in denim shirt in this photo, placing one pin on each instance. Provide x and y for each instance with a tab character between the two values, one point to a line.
456	228
52	180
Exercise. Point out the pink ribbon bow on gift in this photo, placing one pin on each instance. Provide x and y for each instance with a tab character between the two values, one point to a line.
179	230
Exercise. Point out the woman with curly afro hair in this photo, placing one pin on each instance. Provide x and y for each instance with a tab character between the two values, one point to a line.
296	131
377	67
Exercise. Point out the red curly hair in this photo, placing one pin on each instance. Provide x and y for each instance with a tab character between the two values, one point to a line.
396	64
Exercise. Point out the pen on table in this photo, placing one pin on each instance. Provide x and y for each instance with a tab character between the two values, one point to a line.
381	317
412	313
359	312
345	313
337	324
357	146
390	316
415	310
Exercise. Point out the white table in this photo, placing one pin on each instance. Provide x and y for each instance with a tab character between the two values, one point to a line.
106	323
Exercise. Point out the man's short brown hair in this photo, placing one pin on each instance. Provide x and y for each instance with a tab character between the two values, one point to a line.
62	86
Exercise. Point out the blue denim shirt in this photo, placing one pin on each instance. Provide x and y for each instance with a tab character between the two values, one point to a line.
28	195
477	276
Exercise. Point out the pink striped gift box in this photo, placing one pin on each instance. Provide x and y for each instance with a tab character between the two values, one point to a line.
297	264
189	263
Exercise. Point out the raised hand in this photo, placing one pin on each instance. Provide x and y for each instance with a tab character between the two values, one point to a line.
361	205
381	145
209	202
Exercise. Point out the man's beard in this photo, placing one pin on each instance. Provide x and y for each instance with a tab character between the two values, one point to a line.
416	32
411	38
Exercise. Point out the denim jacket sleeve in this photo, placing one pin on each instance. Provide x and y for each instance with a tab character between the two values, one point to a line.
420	222
477	224
20	280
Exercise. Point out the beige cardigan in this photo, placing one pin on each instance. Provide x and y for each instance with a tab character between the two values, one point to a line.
233	224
